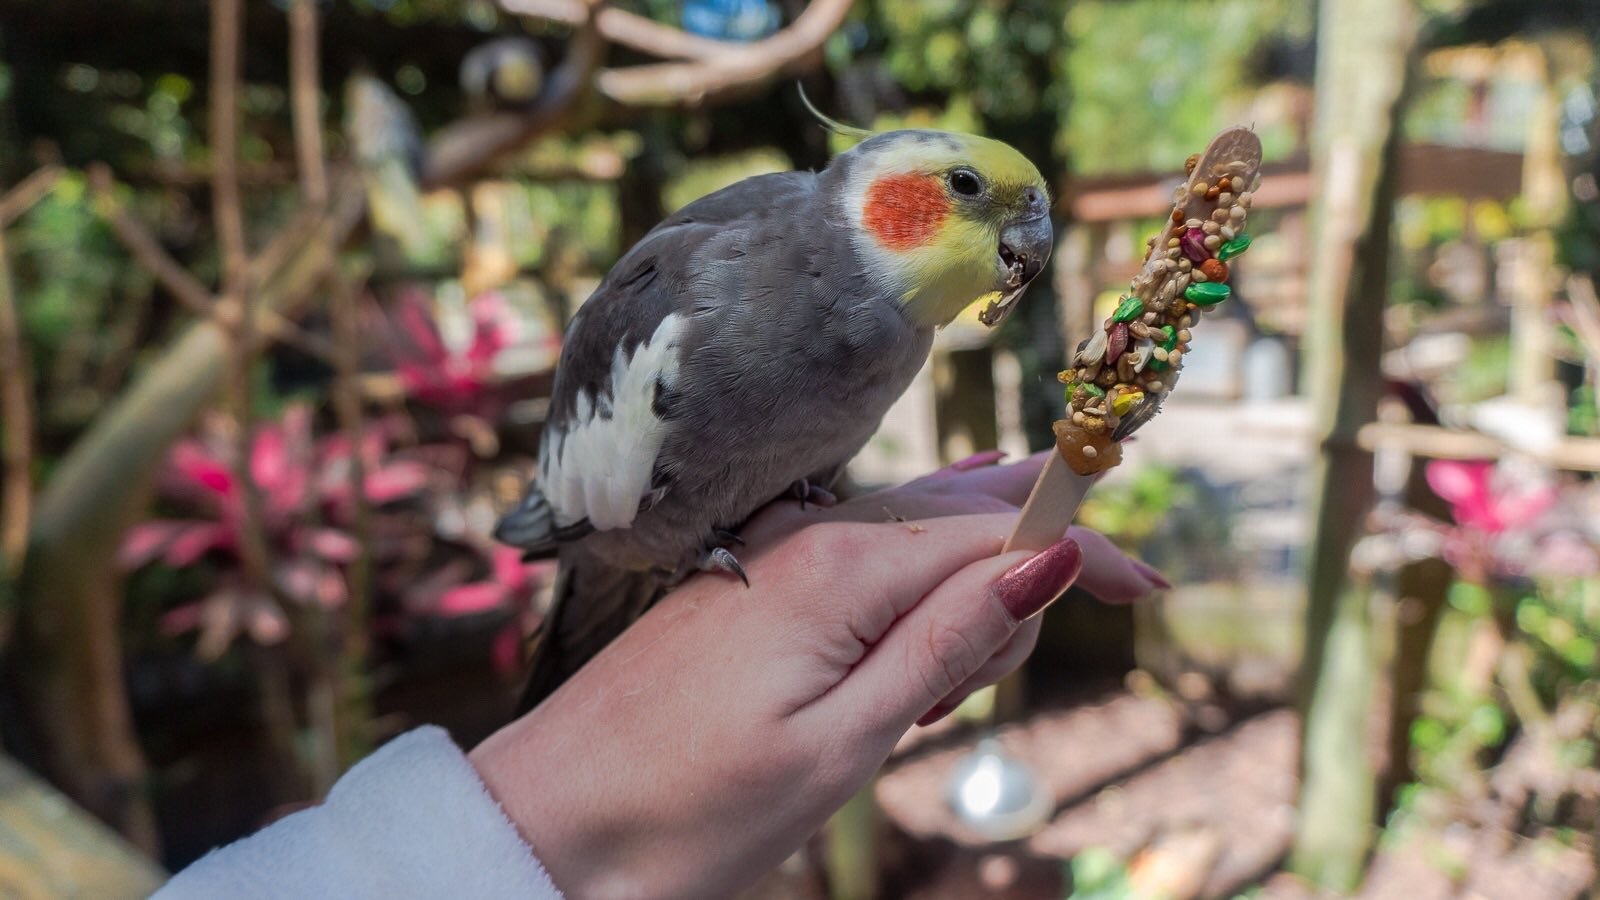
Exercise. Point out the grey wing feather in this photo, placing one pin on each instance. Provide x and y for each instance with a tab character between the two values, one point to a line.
652	281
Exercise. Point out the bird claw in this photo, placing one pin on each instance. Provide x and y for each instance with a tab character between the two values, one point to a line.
719	559
727	538
806	492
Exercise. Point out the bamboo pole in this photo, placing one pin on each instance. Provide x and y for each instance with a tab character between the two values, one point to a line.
1367	43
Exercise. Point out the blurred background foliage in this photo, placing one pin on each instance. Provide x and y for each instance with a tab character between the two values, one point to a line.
227	696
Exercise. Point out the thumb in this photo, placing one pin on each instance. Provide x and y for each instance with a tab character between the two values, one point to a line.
943	640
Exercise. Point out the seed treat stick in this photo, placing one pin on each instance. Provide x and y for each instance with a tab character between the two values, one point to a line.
1120	374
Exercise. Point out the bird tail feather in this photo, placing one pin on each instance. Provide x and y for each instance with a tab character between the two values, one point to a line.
592	604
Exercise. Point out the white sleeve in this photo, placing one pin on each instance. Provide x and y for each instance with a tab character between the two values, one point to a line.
411	820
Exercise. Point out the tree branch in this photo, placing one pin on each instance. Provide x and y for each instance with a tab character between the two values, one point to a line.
1585	306
618	26
353	710
470	146
708	68
227	212
283	245
27	192
143	246
148	253
304	98
16	408
693	82
227	209
68	644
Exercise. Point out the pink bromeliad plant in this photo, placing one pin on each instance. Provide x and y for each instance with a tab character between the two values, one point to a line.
497	581
1506	525
452	381
306	502
511	584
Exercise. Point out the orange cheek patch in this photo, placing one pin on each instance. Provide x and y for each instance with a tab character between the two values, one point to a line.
904	211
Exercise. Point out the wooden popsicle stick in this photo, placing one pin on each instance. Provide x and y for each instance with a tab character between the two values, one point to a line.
1051	506
1059	491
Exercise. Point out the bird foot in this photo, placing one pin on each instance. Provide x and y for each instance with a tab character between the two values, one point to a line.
726	538
720	559
806	492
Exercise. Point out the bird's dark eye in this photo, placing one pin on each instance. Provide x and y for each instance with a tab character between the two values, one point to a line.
966	182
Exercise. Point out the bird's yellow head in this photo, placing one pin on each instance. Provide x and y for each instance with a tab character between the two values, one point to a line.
948	219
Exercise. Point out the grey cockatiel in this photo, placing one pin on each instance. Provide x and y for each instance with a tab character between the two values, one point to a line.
750	344
505	73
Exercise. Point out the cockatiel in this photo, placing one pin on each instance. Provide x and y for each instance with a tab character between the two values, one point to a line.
745	350
505	73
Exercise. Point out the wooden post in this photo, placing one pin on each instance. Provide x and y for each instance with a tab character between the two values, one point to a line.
852	848
51	848
1421	590
1544	192
964	402
1075	288
1365	44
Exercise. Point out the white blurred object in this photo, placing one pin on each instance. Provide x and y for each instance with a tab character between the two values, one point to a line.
1427	356
1534	428
1211	368
1267	374
996	795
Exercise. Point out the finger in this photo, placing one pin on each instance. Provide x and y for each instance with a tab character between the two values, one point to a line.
891	506
1005	661
889	566
1011	483
979	460
1107	572
1111	575
975	476
947	637
907	505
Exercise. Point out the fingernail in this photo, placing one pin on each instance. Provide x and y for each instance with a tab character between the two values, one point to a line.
1151	575
1032	584
978	460
935	714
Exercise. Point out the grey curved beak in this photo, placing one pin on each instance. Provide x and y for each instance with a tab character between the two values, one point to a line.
1027	244
1025	247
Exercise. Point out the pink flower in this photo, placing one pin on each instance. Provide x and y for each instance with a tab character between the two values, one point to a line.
306	498
456	383
1505	525
225	613
509	579
1480	500
505	652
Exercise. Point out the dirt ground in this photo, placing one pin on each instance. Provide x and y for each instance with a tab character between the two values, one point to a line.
1198	800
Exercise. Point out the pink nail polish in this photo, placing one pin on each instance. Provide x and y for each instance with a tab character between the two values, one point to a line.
1151	575
1032	584
978	460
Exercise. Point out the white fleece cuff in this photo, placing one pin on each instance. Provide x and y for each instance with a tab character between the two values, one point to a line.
411	820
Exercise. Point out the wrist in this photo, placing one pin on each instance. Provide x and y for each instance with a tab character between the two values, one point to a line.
593	838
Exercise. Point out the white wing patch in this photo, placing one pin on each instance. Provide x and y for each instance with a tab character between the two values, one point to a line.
599	467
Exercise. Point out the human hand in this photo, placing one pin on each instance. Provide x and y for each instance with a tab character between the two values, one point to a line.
724	727
974	485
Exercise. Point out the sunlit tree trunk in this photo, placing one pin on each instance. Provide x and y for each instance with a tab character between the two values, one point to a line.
1365	51
65	662
1544	195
